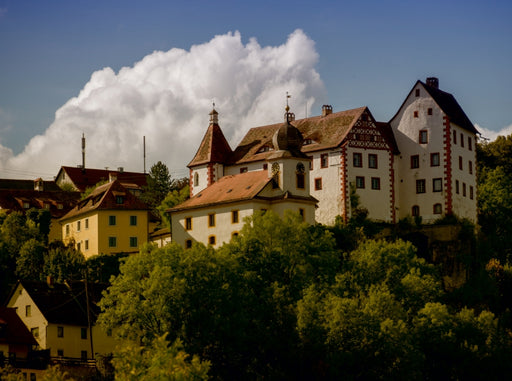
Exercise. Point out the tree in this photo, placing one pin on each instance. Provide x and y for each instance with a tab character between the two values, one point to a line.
30	260
173	198
64	263
159	184
158	361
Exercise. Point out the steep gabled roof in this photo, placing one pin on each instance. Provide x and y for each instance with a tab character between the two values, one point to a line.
214	148
14	184
244	186
65	303
325	132
16	333
447	103
88	177
104	197
451	108
387	133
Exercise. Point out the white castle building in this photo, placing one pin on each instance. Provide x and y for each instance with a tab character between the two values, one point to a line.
420	163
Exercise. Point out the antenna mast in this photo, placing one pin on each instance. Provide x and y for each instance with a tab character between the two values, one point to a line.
83	152
144	146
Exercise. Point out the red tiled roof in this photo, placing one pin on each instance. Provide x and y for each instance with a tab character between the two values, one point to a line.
13	200
17	333
88	177
326	132
50	186
104	197
214	148
244	186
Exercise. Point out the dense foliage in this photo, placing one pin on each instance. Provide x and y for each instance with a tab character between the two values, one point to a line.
281	302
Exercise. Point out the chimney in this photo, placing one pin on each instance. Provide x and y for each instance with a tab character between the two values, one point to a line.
39	185
433	82
112	177
326	110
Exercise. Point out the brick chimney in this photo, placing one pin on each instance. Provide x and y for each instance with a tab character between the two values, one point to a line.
326	110
433	82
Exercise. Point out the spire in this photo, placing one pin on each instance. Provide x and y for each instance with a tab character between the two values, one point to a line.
288	116
214	116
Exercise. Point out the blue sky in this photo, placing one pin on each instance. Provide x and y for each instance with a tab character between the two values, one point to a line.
369	52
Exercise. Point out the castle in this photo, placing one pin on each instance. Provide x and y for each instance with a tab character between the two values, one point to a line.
421	163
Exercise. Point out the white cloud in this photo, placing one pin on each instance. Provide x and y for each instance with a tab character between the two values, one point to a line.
167	97
492	135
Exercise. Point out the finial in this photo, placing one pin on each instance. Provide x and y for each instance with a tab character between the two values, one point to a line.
287	107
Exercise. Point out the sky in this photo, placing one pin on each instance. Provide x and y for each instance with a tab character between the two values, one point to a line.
117	71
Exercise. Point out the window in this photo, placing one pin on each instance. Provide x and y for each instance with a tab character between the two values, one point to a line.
415	211
234	216
47	206
196	179
211	240
211	220
376	183
234	234
434	159
310	162
275	175
464	189
60	352
429	111
460	163
372	160
470	143
83	355
299	172
87	223
471	192
78	246
265	166
437	185
78	224
457	186
415	114
133	242
415	161
357	159
83	333
318	184
461	139
470	167
438	209
28	311
133	220
60	331
423	137
33	376
60	206
417	92
86	244
26	205
112	241
188	223
324	160
35	331
67	229
243	170
360	182
112	220
188	243
302	213
119	200
420	186
454	137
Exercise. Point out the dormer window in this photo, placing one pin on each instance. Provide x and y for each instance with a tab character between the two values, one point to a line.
119	200
265	148
308	142
26	205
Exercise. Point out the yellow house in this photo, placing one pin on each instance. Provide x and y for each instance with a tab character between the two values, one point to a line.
109	220
62	318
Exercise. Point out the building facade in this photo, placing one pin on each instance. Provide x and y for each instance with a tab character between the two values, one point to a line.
109	220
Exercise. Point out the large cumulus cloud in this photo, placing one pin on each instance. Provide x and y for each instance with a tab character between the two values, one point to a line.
167	96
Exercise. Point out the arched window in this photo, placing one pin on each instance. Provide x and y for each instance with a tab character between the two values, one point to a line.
275	175
300	175
415	211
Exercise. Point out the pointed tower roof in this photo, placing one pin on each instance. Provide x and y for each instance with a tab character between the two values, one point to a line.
214	147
